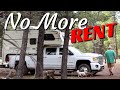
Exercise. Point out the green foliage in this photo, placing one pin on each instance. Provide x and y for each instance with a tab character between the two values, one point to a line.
95	18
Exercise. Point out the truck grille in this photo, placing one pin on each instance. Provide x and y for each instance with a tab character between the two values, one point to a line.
100	60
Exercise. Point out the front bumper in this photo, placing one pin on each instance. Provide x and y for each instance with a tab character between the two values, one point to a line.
96	67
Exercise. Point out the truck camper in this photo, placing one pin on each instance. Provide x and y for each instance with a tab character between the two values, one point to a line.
53	46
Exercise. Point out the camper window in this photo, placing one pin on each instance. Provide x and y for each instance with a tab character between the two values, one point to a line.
49	37
51	51
32	41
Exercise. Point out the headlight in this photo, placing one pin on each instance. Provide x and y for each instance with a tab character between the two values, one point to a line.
95	59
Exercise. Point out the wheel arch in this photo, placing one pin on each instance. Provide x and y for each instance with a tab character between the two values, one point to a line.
79	62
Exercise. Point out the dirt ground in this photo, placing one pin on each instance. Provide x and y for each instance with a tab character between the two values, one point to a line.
100	75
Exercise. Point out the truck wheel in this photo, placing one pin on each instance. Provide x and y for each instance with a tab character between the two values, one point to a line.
25	69
32	72
83	67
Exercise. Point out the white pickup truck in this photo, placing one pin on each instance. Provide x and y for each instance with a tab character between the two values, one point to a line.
52	54
53	57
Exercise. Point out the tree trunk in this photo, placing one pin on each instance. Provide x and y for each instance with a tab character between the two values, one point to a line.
21	65
65	52
95	43
40	47
101	49
114	37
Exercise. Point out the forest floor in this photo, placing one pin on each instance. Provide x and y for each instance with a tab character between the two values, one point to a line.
100	75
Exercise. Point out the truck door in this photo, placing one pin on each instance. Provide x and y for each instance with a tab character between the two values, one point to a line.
50	58
70	61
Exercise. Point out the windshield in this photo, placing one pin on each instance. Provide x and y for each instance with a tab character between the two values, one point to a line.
73	49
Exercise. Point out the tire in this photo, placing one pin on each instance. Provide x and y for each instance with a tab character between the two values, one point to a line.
32	72
81	67
25	69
